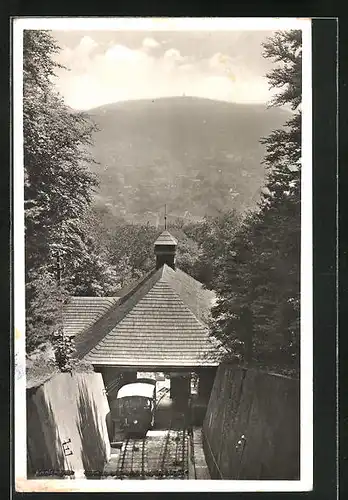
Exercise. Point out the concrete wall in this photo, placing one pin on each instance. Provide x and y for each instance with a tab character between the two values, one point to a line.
262	407
68	407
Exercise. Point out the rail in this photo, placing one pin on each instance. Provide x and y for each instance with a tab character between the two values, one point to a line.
169	459
164	392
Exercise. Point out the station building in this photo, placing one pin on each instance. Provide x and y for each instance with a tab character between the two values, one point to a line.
159	325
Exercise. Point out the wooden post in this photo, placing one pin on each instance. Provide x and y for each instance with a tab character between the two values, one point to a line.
205	383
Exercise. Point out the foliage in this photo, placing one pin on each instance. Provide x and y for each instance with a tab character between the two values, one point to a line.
132	250
256	318
285	48
212	236
85	254
58	184
41	366
58	192
130	247
188	256
43	305
63	350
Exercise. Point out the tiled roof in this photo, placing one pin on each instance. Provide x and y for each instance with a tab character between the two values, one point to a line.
166	238
81	312
161	322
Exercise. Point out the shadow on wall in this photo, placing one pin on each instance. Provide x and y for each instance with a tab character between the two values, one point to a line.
252	426
93	446
109	426
44	448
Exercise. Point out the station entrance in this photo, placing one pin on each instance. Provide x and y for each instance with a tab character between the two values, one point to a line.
181	384
173	442
182	396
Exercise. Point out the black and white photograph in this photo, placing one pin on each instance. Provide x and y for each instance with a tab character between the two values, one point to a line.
162	188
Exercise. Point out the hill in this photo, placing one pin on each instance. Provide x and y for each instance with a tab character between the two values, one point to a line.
196	155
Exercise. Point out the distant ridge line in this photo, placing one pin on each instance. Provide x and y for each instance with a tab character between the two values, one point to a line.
181	98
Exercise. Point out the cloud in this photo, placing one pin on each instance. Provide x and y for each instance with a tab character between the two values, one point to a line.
87	44
150	43
79	58
121	54
174	55
186	67
102	74
219	60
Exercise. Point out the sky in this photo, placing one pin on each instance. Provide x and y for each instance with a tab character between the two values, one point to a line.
111	66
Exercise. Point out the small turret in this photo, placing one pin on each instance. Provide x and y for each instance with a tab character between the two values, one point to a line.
165	250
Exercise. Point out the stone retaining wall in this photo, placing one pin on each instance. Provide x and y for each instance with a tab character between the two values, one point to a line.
69	409
251	429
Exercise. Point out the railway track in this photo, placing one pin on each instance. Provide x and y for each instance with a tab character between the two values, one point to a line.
163	456
132	458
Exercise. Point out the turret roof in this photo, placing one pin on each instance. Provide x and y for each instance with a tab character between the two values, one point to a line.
165	238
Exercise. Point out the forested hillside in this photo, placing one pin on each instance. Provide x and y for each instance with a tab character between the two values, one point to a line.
197	155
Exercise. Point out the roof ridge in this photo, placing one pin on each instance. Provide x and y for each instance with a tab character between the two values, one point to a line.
85	342
200	329
188	275
198	307
137	286
205	326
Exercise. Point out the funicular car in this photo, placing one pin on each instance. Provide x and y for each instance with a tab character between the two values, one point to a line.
134	407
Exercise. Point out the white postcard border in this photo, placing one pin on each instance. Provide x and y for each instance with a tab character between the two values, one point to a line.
164	24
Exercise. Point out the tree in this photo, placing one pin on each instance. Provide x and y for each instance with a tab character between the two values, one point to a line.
88	270
132	250
283	146
213	236
232	280
281	211
58	184
188	255
58	191
257	282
